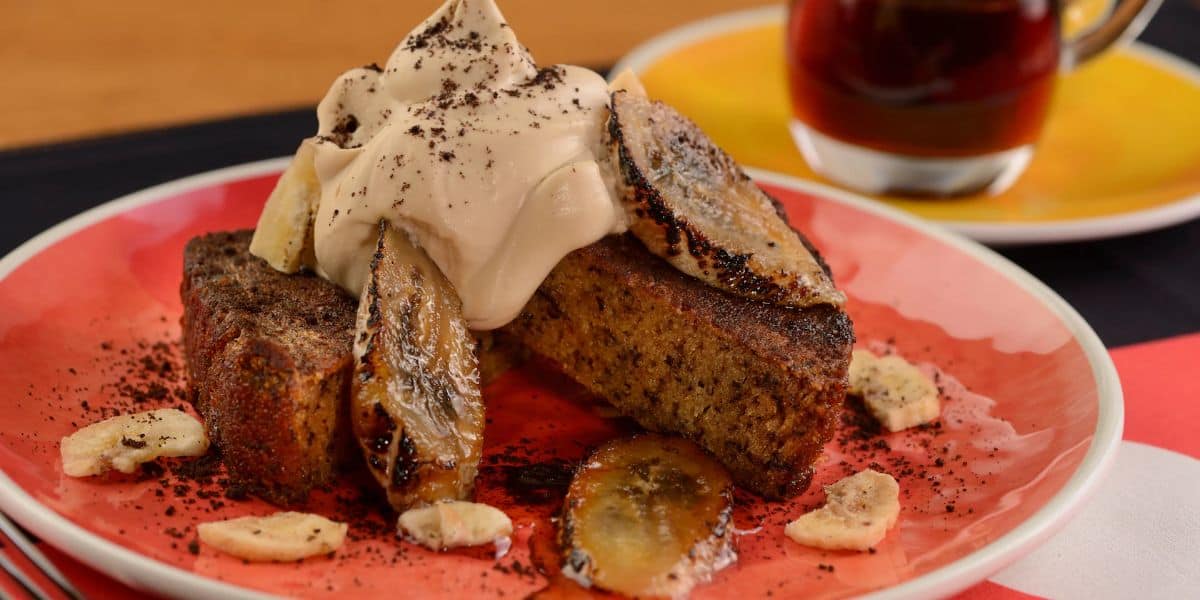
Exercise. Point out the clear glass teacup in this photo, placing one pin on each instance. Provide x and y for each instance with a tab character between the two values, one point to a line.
932	97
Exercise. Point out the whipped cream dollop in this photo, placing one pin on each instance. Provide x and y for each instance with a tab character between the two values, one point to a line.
488	163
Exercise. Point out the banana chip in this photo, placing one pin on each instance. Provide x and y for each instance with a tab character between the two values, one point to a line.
281	537
125	442
859	510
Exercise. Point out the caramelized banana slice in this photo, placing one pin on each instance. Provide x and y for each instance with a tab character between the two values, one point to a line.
648	516
416	409
690	204
628	81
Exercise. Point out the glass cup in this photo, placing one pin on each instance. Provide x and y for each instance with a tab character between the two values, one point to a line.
932	97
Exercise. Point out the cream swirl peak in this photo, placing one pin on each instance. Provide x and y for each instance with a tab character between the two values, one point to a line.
488	163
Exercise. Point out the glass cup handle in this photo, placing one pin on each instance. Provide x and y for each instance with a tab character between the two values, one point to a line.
1125	21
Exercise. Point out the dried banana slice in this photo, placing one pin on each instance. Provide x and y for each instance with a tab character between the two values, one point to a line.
125	442
648	516
896	393
859	510
281	537
455	524
690	204
284	235
416	406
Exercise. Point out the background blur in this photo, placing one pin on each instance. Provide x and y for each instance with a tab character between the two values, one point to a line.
85	68
77	68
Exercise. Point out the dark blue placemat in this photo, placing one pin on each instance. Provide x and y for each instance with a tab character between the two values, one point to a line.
1131	289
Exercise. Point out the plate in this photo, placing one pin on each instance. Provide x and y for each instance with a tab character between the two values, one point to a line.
1112	160
89	311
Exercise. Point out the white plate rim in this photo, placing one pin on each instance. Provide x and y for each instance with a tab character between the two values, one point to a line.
142	572
988	232
1110	417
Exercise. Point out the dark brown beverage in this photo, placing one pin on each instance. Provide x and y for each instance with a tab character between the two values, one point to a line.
928	78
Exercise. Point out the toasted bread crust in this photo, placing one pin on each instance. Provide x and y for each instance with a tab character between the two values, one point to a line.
269	361
759	386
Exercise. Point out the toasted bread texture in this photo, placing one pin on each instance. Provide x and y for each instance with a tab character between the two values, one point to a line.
759	386
269	360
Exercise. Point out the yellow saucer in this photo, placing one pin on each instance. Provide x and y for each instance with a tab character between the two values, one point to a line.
1120	153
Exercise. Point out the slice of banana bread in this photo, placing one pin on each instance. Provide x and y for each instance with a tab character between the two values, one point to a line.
269	361
759	386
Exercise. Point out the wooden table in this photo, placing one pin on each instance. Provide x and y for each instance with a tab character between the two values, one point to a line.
79	68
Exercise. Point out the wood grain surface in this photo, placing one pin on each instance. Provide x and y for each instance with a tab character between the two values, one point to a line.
79	68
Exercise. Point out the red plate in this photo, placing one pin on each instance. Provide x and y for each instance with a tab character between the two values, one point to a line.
1031	416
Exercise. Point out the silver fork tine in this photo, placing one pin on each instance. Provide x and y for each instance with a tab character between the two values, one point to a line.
21	578
37	558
